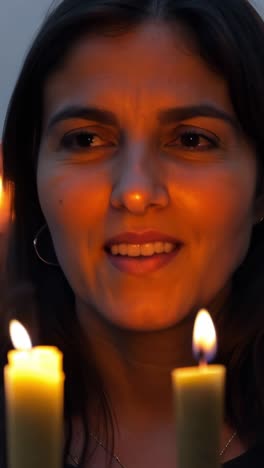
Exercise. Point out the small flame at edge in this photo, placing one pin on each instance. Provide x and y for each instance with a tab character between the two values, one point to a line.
19	336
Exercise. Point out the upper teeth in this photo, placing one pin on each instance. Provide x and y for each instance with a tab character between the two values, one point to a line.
148	249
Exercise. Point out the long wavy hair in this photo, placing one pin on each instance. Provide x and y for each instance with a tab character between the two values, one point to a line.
229	37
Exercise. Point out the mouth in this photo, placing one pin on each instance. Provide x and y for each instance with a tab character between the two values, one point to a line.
138	254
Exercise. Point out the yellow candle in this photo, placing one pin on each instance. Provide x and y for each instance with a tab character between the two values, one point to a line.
199	400
34	407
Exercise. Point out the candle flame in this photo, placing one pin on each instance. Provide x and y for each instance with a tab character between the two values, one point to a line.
19	336
204	337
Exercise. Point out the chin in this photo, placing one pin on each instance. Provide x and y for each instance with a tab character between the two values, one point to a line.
131	315
144	322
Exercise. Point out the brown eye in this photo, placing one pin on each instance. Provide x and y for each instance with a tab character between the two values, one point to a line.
82	140
191	140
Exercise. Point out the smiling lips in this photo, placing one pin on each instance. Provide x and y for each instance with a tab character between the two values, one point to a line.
141	253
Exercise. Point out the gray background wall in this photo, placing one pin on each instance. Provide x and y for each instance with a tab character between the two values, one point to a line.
19	20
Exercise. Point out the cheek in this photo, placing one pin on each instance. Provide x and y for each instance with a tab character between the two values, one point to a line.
218	201
221	209
228	208
227	219
217	205
73	202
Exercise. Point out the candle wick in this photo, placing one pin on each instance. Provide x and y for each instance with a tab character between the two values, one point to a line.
202	363
201	358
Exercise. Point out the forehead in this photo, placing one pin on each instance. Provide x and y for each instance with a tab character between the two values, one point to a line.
145	68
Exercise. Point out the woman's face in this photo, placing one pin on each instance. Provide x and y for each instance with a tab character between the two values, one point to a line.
144	177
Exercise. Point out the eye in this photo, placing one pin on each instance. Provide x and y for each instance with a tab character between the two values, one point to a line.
194	140
83	140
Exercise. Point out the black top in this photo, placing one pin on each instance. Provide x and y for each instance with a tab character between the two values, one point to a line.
253	458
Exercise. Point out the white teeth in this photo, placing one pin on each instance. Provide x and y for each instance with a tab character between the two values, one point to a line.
122	249
145	250
133	250
159	247
114	249
168	247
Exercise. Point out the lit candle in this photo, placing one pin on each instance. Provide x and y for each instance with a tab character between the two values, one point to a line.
34	403
199	401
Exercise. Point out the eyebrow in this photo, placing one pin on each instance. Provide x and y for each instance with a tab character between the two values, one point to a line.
177	114
165	117
87	113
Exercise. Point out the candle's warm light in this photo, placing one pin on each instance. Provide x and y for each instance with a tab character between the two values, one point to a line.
199	401
1	190
34	382
136	196
204	337
19	336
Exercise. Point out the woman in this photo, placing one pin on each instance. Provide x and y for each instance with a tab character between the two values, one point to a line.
134	142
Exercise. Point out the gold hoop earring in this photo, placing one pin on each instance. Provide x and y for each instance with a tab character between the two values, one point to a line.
35	245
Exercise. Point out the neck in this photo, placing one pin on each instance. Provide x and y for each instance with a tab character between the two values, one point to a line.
135	367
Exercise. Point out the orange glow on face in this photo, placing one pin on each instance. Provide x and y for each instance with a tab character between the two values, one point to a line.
136	197
204	337
5	198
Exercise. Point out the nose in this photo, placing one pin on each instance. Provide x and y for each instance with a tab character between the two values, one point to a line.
138	183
